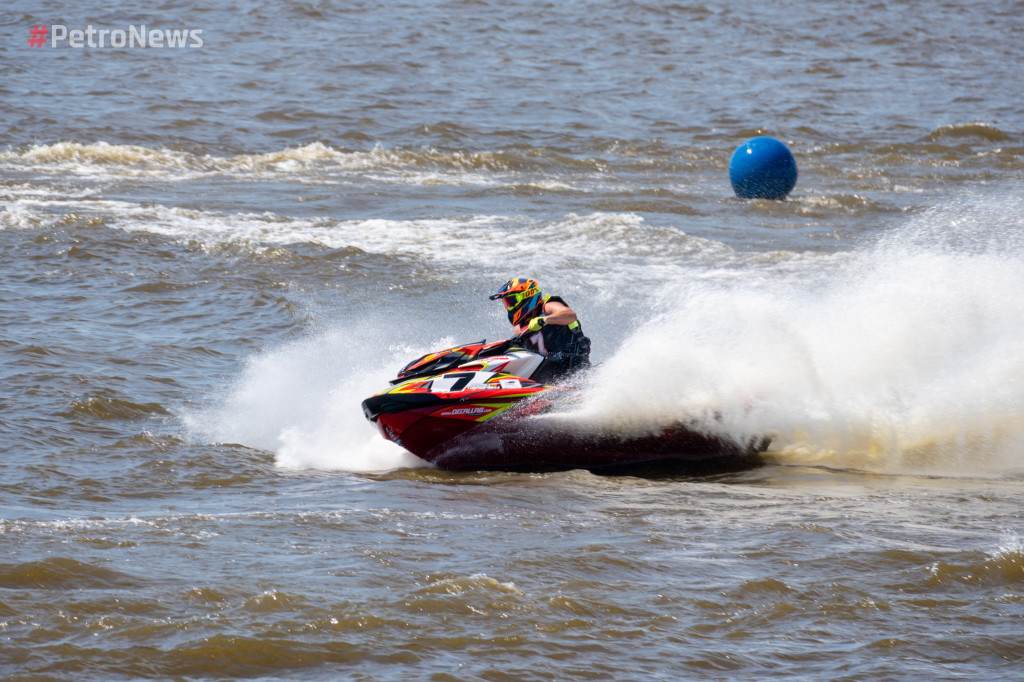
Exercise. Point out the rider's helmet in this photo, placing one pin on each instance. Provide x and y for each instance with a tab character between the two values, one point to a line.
522	299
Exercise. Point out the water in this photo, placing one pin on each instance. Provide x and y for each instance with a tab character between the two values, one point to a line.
211	256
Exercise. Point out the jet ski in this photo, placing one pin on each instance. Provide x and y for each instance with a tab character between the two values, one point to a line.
475	407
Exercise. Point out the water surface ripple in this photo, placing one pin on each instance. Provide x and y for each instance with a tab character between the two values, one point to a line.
210	256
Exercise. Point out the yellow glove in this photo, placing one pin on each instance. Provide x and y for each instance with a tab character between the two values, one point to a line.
536	324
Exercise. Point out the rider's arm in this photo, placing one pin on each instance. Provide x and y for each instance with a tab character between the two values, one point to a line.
558	313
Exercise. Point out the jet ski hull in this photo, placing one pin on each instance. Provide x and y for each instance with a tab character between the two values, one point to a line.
512	433
472	414
515	445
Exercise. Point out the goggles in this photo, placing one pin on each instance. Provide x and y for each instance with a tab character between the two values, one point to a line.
512	300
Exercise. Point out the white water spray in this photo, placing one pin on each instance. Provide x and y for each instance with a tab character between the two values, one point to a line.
908	358
302	402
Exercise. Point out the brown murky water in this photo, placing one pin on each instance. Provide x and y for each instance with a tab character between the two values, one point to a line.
210	256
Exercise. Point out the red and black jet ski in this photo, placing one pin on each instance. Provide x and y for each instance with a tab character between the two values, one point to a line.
474	407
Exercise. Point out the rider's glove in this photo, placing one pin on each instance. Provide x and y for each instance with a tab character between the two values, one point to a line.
536	324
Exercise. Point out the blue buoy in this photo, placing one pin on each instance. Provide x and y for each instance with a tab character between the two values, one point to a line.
762	168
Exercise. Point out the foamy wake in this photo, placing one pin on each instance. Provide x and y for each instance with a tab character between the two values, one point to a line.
104	160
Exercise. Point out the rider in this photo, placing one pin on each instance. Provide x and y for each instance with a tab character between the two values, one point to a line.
547	325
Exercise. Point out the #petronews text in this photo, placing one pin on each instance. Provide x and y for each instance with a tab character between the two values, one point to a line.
135	36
